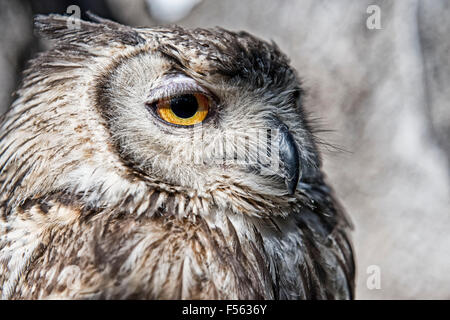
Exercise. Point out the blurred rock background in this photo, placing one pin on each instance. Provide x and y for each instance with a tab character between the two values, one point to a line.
383	94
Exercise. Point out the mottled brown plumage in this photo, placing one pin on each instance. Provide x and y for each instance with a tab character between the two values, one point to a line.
99	199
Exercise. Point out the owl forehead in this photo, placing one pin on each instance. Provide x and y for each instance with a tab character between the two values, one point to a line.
236	55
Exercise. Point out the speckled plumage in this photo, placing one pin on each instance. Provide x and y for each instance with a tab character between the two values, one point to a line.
98	200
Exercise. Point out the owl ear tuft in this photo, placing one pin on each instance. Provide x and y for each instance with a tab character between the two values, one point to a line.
106	22
102	32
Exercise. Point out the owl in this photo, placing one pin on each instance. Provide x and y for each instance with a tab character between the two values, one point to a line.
165	163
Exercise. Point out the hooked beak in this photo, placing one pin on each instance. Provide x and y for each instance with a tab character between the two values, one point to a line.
289	158
283	162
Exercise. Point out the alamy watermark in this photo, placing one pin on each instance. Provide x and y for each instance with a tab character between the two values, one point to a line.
374	20
258	147
73	22
374	277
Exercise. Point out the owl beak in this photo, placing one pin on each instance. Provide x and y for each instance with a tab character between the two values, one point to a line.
289	158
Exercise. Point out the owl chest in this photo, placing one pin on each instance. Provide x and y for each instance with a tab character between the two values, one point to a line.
234	259
173	259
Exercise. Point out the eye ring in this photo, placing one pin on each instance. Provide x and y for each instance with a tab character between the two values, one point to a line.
183	110
180	101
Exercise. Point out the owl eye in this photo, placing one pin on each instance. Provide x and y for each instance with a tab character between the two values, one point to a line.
184	110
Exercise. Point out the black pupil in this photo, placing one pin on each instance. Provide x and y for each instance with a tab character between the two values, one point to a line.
184	106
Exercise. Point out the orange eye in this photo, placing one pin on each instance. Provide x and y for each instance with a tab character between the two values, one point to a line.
184	110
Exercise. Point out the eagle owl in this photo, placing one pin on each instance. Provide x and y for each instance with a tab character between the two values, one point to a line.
130	170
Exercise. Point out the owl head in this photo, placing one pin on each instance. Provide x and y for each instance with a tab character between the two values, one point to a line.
120	115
